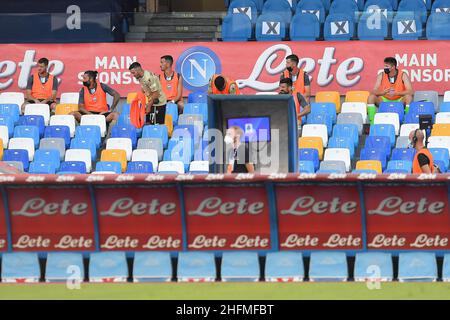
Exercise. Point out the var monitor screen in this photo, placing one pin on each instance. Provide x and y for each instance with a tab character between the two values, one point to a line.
255	128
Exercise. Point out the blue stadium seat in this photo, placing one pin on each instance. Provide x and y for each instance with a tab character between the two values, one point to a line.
400	165
328	108
417	7
126	107
328	266
259	4
393	107
383	130
373	266
73	166
113	166
417	267
342	142
367	29
284	266
446	268
247	7
379	142
403	171
320	118
406	154
108	267
406	26
381	4
9	122
280	8
359	171
444	107
186	131
27	132
49	156
236	27
374	154
441	154
411	117
119	131
42	167
345	6
309	154
63	265
85	143
270	27
17	155
314	7
422	107
58	132
33	120
347	130
240	266
89	132
306	166
339	27
172	109
304	27
196	266
140	167
197	108
156	131
152	266
198	97
20	267
179	154
440	6
438	26
10	109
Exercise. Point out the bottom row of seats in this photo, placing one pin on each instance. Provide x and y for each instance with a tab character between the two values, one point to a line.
235	266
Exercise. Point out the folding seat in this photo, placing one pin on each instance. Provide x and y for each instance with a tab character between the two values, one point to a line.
345	6
4	136
355	107
335	166
402	142
42	167
309	154
172	110
171	167
66	108
120	143
339	27
69	98
369	165
328	108
280	8
58	132
125	132
406	129
38	109
24	144
316	130
240	266
12	98
445	99
441	129
368	262
247	7
351	118
312	7
119	155
443	117
304	27
438	25
379	142
373	154
192	119
384	7
150	155
413	117
182	154
284	266
306	167
440	6
19	155
439	142
440	155
110	166
15	164
416	7
347	130
400	165
82	143
236	27
342	142
11	110
152	143
328	266
270	27
54	143
8	122
392	107
198	97
89	133
366	29
417	267
204	151
156	131
19	267
312	143
197	109
406	154
27	132
427	96
64	120
60	264
407	25
186	132
199	167
49	156
338	154
108	267
151	266
388	118
30	120
80	155
139	167
321	118
384	130
94	120
73	166
357	96
196	266
329	96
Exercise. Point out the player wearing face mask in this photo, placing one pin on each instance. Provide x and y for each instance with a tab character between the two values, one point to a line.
300	78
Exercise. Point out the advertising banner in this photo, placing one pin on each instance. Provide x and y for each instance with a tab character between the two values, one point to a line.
51	219
224	218
407	217
139	218
312	217
340	66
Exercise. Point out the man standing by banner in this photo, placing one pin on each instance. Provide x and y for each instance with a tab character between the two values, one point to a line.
156	105
300	78
171	82
220	84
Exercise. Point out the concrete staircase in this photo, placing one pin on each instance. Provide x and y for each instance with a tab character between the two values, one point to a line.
175	27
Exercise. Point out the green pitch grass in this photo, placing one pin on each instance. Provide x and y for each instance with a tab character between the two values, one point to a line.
237	291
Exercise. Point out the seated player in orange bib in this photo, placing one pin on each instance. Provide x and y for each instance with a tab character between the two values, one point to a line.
220	84
171	83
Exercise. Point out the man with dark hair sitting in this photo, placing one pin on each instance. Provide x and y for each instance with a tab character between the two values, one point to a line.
220	84
171	82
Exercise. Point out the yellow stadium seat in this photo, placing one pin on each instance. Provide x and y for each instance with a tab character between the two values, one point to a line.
369	165
329	96
311	142
132	95
115	155
441	129
1	149
66	108
169	124
357	96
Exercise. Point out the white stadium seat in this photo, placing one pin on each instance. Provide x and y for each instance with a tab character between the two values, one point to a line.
23	143
12	97
199	166
146	155
316	130
171	166
4	136
406	129
355	107
103	172
80	155
447	96
64	120
38	109
443	117
69	97
338	154
120	143
94	120
439	142
388	118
